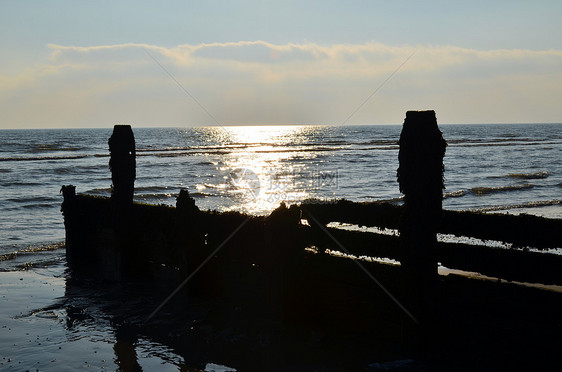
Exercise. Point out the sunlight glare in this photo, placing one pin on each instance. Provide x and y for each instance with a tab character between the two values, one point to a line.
262	171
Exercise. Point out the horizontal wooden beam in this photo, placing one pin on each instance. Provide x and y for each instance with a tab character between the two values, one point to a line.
521	231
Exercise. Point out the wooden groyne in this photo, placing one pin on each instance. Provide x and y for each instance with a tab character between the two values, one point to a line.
298	261
364	274
116	238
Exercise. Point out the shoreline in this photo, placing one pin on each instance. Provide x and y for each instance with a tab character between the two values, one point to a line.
37	331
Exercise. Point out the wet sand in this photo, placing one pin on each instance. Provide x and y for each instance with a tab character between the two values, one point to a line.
38	333
49	322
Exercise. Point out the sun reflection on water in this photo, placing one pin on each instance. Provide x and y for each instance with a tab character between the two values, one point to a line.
258	173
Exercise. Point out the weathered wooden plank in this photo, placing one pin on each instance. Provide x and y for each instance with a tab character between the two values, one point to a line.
522	231
508	264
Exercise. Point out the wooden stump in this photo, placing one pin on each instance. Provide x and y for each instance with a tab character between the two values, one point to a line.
420	175
122	164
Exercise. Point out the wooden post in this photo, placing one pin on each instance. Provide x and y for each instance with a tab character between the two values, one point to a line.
122	164
185	203
420	176
69	193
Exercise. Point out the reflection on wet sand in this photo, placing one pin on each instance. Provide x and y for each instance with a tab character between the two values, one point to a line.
125	353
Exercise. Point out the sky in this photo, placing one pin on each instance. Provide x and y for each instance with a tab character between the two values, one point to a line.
71	63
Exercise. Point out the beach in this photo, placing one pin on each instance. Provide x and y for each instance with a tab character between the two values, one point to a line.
39	332
51	322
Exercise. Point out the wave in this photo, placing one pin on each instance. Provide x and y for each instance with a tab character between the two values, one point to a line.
478	191
219	186
335	142
22	262
389	147
35	199
34	249
498	144
195	148
52	147
200	194
174	195
454	194
39	205
155	196
141	192
455	142
533	204
101	191
212	150
42	158
320	149
162	196
153	188
489	190
24	184
64	170
228	151
185	153
206	163
529	176
504	139
274	148
30	207
486	190
387	142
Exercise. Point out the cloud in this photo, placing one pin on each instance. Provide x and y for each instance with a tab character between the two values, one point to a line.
255	82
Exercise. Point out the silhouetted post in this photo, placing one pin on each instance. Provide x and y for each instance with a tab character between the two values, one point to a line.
68	193
122	164
185	204
420	175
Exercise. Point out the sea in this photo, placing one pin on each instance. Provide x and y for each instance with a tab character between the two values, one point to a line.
496	168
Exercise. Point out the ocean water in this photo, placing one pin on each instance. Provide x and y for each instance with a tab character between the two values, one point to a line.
50	323
497	168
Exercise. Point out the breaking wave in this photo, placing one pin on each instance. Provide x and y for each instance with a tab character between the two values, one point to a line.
41	158
534	204
52	147
454	194
31	256
481	191
489	190
529	176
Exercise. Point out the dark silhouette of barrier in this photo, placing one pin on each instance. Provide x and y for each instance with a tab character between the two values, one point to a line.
275	266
